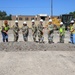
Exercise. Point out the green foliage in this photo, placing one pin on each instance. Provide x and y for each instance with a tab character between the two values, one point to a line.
72	13
4	16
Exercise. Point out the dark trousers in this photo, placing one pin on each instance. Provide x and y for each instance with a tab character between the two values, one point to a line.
62	39
5	37
71	38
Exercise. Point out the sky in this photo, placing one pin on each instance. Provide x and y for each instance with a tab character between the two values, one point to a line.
35	7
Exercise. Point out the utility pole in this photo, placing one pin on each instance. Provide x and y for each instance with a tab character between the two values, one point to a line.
51	8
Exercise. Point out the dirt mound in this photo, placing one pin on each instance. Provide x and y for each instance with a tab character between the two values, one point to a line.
31	46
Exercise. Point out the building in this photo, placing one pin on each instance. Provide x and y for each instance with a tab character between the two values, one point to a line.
28	18
45	17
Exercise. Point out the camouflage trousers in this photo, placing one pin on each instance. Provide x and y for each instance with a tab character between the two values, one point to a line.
34	36
50	38
25	37
40	36
16	36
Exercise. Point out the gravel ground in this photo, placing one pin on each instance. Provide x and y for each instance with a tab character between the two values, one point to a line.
30	58
37	63
31	46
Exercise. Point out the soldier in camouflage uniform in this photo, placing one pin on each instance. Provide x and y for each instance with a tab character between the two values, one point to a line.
34	30
25	31
50	31
40	32
16	31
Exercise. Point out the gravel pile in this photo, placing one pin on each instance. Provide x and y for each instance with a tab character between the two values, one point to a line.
32	46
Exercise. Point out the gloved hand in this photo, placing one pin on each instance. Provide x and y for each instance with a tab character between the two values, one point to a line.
41	32
60	35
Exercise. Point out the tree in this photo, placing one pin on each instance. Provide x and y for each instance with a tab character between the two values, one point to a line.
4	16
72	13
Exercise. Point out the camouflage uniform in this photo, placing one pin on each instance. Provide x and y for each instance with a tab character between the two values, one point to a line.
16	32
25	32
40	33
50	33
34	32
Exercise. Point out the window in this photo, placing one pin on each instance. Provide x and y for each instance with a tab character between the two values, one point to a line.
32	18
43	18
20	18
36	19
26	18
16	18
